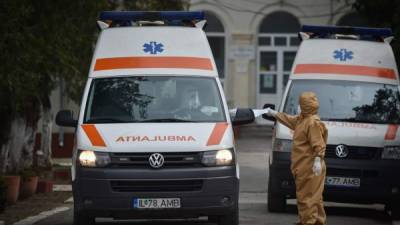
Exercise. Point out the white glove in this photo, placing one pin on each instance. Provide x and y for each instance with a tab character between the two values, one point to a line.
268	111
271	112
317	167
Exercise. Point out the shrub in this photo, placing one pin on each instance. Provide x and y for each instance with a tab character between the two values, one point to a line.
26	174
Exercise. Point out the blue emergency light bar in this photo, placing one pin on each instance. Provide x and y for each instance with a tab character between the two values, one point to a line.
361	31
152	15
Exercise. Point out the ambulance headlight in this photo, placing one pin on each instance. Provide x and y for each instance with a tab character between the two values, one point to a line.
218	158
94	159
391	152
282	145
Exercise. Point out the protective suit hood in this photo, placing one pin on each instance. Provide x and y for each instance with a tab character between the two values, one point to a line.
308	104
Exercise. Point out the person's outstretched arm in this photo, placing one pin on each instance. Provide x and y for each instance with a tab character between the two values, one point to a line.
285	119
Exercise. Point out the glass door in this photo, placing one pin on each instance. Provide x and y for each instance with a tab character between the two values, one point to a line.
268	72
274	69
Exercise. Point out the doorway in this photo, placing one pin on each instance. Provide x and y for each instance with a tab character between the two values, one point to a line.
274	67
277	47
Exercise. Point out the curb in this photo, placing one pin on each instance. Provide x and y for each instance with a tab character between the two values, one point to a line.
33	219
62	187
70	200
253	198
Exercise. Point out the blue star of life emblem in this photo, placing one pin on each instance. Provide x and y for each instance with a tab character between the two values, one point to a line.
153	47
343	54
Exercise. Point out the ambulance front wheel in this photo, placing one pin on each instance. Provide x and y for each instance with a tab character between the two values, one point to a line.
394	209
276	201
396	212
230	219
81	218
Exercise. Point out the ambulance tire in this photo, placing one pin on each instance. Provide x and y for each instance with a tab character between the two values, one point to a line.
230	219
395	211
276	201
81	218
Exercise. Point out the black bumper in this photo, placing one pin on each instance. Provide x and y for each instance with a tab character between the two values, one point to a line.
210	191
380	180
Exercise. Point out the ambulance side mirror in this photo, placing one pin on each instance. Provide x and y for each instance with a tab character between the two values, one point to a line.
65	118
243	116
264	116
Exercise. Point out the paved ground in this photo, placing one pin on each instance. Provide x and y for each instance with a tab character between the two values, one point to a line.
254	148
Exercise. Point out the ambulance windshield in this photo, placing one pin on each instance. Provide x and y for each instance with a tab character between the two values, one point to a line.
349	101
154	99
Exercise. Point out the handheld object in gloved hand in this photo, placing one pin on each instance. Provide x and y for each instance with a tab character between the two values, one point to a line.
317	167
271	112
259	112
268	111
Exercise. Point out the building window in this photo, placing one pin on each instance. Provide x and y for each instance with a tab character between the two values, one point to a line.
277	46
216	37
280	22
267	83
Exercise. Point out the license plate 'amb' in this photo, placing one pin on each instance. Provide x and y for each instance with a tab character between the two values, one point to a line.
156	203
342	181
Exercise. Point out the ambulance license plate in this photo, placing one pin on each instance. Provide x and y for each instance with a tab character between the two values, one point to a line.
342	181
156	203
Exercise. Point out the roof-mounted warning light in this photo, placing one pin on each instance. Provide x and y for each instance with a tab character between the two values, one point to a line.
151	15
174	18
363	33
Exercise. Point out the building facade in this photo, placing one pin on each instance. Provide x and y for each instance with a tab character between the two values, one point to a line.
255	41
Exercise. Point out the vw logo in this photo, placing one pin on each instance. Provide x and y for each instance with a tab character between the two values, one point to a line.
341	151
156	160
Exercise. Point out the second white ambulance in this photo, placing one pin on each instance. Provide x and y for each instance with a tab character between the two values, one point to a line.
154	136
354	74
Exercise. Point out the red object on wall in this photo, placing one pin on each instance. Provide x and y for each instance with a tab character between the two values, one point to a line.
57	151
62	174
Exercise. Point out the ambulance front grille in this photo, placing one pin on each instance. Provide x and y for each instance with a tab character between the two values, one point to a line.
156	185
339	172
171	160
355	152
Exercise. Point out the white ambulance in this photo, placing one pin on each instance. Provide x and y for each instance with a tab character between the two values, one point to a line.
354	74
154	136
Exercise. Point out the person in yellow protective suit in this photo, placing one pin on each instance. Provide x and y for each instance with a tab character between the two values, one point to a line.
307	158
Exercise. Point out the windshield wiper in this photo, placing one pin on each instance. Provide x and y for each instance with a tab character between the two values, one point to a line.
166	120
108	120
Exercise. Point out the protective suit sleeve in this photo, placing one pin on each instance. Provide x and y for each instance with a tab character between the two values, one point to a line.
287	120
317	138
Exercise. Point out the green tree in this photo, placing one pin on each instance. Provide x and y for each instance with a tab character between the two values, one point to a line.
42	42
382	13
38	48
